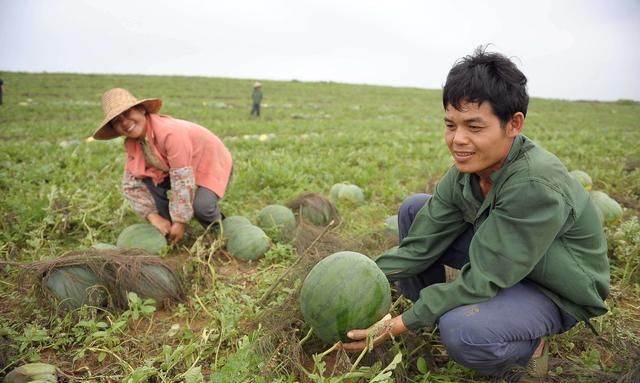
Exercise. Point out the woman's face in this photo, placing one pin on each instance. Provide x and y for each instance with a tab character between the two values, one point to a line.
132	123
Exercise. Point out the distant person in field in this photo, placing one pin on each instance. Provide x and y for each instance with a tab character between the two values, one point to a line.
524	235
166	154
256	98
1	90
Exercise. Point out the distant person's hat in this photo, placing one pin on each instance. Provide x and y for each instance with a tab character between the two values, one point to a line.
257	85
116	101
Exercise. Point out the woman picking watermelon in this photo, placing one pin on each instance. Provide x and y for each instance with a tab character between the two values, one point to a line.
526	237
166	154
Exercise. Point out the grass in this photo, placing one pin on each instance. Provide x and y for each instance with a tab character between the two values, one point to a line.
61	193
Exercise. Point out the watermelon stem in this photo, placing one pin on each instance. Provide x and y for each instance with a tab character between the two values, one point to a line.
11	263
106	351
362	354
330	350
372	336
195	294
306	337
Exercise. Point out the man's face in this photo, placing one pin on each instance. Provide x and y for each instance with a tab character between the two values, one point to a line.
476	139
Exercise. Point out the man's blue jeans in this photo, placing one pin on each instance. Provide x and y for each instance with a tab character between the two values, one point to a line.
492	336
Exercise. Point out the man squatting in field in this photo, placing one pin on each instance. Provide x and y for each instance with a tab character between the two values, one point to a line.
525	235
166	154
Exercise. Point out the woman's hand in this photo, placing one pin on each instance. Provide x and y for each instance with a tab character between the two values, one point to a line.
379	332
177	232
162	224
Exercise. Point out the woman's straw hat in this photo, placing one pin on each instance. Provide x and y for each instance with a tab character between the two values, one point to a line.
257	85
116	101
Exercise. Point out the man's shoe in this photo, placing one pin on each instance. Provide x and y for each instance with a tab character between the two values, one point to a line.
537	368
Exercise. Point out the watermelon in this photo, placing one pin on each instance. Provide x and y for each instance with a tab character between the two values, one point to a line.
142	236
156	281
314	208
351	193
32	373
317	215
583	178
73	286
278	222
344	291
248	243
231	223
335	190
391	226
610	209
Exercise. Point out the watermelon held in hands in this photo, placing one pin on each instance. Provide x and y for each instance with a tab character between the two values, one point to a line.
142	236
610	208
344	291
248	243
583	178
278	221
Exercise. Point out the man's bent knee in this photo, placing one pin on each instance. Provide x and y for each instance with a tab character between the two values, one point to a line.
471	344
412	204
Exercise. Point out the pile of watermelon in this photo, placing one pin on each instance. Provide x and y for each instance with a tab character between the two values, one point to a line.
278	223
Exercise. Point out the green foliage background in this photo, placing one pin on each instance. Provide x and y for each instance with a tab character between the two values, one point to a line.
61	193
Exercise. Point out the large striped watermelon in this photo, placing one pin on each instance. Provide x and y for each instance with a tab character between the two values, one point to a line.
344	291
142	236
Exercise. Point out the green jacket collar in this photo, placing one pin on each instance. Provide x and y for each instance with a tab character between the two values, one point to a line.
518	144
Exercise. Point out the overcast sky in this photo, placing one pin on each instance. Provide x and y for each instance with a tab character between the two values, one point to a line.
570	49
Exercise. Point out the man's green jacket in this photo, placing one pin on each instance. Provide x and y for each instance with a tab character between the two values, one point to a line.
536	222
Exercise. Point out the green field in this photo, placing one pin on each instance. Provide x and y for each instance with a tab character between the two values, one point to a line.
61	193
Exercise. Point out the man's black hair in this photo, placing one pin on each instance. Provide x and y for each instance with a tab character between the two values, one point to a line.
487	76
